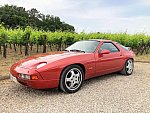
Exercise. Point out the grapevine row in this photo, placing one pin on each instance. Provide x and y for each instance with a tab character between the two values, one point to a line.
28	38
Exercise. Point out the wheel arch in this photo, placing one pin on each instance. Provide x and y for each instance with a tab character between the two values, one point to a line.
130	58
79	64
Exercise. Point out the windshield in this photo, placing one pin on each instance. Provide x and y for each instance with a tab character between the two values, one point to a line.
88	46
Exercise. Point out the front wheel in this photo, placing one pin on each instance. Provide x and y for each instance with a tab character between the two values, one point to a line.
128	67
71	79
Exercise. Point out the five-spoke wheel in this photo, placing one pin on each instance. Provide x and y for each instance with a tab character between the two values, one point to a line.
71	79
128	67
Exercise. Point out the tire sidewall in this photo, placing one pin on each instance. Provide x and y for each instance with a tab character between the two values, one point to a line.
126	68
63	76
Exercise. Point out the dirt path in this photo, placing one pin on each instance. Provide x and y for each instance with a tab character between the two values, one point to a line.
112	93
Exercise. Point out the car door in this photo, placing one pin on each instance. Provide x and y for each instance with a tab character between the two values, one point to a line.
108	63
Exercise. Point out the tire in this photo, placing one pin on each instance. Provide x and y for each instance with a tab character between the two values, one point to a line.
128	67
71	79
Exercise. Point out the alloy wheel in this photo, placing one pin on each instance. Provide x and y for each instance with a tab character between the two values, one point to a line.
73	79
129	66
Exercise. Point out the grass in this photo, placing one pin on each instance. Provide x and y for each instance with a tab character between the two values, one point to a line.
142	57
12	57
5	64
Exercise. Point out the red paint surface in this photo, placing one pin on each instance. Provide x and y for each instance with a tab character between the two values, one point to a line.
48	76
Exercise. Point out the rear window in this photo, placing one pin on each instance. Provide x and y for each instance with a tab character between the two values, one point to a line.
123	47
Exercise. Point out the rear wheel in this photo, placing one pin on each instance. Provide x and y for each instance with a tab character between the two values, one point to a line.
128	67
71	79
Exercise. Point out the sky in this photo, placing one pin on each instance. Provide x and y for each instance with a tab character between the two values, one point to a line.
131	16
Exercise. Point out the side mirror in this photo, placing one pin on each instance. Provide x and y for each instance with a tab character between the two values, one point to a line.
105	51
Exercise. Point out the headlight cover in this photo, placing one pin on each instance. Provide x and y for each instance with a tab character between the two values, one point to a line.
24	76
41	65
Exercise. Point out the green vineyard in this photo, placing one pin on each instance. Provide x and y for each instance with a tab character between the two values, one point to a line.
28	38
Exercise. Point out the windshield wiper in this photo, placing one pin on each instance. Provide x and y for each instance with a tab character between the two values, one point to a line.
77	50
66	50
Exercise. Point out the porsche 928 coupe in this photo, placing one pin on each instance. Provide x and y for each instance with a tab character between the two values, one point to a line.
68	69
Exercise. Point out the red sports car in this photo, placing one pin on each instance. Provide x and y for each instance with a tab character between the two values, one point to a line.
68	69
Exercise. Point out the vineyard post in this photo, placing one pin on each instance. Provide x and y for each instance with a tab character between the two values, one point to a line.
15	47
65	44
143	47
37	48
31	45
0	49
148	47
44	43
139	48
10	45
59	44
20	49
4	45
50	46
26	44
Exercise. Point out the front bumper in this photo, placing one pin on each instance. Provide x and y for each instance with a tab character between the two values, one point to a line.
36	84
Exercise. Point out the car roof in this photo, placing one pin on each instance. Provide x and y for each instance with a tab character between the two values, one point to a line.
101	40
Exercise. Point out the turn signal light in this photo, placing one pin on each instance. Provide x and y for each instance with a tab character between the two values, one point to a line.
34	77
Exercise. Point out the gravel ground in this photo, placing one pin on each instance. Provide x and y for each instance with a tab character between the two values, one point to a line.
112	93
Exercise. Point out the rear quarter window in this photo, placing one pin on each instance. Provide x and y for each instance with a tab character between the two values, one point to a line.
123	47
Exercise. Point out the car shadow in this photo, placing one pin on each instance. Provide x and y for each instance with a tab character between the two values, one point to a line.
56	91
96	79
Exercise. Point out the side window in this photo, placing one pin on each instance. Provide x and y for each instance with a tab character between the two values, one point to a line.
109	46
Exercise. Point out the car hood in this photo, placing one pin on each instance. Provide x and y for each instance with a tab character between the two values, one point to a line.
33	61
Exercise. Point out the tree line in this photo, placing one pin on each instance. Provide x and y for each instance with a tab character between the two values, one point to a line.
13	17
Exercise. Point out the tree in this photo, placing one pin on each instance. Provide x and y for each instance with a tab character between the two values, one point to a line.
13	16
